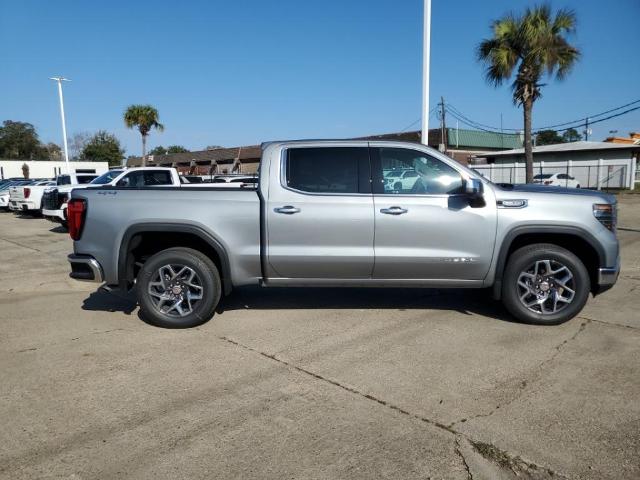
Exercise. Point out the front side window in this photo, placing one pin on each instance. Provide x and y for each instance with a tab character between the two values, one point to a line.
332	170
405	171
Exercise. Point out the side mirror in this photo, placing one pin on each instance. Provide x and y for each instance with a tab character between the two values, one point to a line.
473	188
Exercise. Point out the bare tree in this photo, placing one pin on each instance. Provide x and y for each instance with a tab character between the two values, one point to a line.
77	142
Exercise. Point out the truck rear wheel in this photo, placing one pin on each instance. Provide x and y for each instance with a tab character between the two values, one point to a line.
178	288
545	284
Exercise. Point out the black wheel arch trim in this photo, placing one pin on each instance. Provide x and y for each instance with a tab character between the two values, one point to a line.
201	233
549	229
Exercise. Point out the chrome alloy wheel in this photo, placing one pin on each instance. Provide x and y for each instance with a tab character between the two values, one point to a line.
546	287
175	290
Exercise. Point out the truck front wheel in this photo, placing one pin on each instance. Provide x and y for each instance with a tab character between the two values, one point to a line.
178	288
545	284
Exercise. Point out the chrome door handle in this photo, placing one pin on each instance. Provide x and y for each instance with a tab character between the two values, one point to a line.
287	210
394	210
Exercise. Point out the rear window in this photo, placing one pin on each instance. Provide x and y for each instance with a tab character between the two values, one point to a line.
106	177
543	176
142	178
84	179
325	170
63	180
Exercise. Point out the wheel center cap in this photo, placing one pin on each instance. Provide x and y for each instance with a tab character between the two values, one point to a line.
544	286
177	290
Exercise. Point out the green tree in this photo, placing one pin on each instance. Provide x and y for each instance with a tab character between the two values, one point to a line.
159	150
176	149
103	147
571	135
548	137
144	118
529	45
50	151
19	141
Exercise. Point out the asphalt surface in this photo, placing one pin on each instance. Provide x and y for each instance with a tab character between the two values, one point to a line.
311	383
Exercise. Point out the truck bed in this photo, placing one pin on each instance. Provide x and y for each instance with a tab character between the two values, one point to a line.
230	216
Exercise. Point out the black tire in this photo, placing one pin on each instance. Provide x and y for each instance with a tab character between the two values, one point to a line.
578	186
518	263
208	277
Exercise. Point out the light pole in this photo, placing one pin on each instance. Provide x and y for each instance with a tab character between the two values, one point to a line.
426	51
64	125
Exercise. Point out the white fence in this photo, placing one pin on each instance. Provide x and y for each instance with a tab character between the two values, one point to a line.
597	174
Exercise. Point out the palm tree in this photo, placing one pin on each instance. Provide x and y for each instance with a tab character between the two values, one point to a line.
145	117
531	45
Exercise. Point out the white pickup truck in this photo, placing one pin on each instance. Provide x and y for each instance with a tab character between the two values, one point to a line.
55	199
28	198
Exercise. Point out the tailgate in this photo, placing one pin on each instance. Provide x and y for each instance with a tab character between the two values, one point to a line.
16	194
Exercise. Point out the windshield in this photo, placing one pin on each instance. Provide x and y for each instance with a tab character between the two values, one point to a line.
106	177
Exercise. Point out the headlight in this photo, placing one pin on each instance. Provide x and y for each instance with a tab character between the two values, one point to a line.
606	214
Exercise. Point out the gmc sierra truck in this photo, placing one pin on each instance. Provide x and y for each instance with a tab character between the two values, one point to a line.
324	214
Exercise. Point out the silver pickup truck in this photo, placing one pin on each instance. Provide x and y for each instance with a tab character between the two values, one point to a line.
348	213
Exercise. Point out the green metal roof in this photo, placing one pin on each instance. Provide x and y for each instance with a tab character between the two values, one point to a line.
480	139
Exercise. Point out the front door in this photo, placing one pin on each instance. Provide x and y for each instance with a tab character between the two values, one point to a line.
320	217
424	227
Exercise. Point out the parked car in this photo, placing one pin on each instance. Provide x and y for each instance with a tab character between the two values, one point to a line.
55	199
321	216
5	194
28	198
556	180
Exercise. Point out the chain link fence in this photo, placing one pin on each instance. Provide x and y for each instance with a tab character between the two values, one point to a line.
600	177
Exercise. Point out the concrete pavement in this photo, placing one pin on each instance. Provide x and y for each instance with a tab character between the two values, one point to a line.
308	383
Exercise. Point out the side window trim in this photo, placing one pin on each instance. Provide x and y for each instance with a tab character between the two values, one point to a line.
365	172
377	176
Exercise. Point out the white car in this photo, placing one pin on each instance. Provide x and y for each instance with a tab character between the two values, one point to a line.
400	180
556	180
28	198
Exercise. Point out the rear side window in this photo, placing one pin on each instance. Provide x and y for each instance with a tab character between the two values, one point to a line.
333	170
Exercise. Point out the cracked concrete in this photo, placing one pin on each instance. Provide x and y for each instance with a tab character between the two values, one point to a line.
302	383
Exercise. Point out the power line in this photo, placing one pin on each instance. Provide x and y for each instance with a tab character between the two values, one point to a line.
431	112
462	118
572	124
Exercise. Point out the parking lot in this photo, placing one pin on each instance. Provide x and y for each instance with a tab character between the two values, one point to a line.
311	383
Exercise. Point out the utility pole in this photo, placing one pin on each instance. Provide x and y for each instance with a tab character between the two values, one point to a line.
586	129
64	125
443	127
426	51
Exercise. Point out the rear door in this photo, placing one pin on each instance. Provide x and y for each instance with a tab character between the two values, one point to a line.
425	228
319	214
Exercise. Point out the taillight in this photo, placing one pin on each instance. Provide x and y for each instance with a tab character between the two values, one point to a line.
27	192
547	182
76	212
